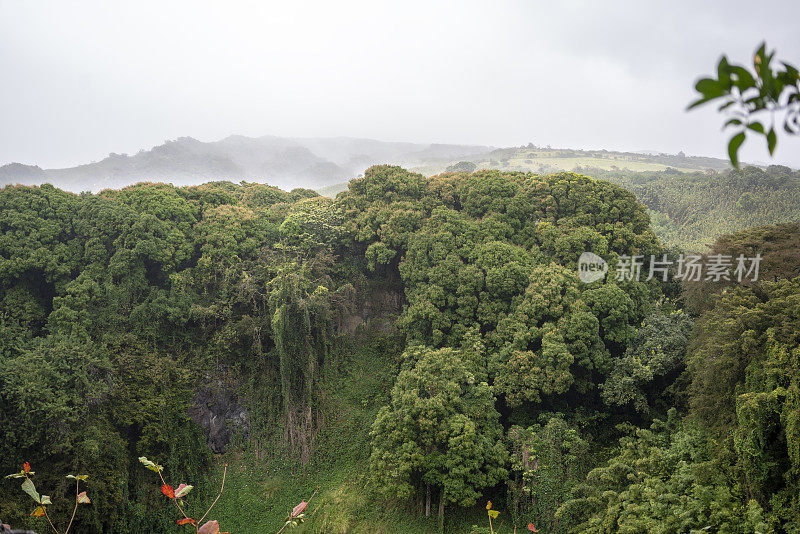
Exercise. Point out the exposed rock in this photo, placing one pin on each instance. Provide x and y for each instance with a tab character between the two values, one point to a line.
217	410
380	309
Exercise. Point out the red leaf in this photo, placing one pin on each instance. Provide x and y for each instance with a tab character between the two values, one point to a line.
167	490
26	467
532	528
186	521
299	509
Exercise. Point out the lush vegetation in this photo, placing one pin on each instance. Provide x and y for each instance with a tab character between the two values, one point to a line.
691	210
405	352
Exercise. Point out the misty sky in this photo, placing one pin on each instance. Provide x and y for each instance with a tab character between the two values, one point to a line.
82	79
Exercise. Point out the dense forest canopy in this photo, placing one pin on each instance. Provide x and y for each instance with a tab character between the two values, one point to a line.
689	207
690	210
413	347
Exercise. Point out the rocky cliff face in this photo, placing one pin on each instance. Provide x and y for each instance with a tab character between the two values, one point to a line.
218	411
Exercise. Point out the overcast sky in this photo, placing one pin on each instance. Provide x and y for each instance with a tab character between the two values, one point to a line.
81	79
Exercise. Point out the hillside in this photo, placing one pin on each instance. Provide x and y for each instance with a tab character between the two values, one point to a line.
690	210
325	163
546	159
278	161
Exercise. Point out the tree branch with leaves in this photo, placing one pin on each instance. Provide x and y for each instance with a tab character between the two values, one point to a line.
756	100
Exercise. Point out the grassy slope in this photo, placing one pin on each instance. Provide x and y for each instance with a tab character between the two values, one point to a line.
261	487
552	160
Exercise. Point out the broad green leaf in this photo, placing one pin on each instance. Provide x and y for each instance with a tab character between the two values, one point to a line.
744	80
733	148
699	102
709	87
726	105
45	500
772	140
152	466
723	72
30	489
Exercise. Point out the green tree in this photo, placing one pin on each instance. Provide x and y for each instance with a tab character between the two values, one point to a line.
655	358
547	460
745	369
663	479
440	432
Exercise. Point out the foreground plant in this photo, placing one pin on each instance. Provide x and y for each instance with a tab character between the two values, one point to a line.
747	95
297	514
177	494
494	514
43	501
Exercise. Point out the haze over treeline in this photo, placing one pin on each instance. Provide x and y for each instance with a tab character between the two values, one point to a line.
282	162
325	163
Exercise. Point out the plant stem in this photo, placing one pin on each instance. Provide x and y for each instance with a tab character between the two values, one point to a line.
222	487
290	514
48	520
77	482
176	502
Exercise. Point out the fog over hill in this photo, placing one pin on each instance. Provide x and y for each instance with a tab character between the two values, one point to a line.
279	161
327	163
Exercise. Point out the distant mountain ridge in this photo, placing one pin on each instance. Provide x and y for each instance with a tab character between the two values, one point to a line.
328	163
280	161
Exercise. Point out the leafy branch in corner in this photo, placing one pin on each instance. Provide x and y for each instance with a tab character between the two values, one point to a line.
747	96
